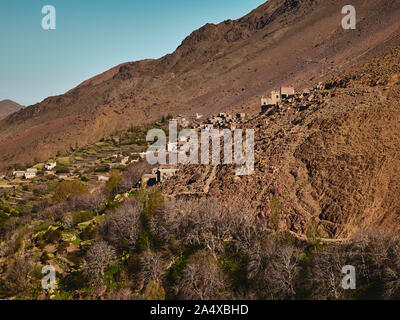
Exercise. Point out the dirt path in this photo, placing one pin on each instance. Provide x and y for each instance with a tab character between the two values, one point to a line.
323	240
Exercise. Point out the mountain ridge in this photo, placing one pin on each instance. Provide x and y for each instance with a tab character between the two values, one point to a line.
8	107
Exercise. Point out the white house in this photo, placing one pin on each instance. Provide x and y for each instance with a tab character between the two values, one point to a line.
50	165
19	174
30	175
103	178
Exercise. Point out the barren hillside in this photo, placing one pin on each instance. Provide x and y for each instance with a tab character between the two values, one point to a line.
332	156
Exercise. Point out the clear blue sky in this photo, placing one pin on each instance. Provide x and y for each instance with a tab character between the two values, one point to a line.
93	36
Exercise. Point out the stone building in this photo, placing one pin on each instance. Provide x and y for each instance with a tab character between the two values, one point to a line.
286	92
276	98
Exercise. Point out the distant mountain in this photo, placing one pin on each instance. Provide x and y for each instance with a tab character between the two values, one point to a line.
219	67
8	107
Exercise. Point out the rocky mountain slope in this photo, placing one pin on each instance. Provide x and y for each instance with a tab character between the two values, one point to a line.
222	67
8	107
331	157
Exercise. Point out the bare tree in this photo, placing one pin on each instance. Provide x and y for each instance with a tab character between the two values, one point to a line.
98	258
40	190
122	228
132	175
152	267
376	255
9	227
16	278
201	279
325	276
121	294
165	222
206	222
86	201
274	268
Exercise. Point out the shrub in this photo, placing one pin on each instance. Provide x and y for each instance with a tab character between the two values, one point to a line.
152	201
40	190
53	236
61	169
275	212
154	291
113	183
82	216
88	233
102	168
67	188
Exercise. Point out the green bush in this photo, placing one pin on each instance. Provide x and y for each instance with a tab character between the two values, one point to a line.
61	169
275	212
53	236
113	183
68	188
88	233
82	216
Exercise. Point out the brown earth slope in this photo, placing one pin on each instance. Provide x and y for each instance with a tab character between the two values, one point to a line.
334	159
217	68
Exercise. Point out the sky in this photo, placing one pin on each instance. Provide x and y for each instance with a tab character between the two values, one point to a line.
92	36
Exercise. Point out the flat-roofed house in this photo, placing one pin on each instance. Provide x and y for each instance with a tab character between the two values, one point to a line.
287	92
30	175
276	98
19	174
273	100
